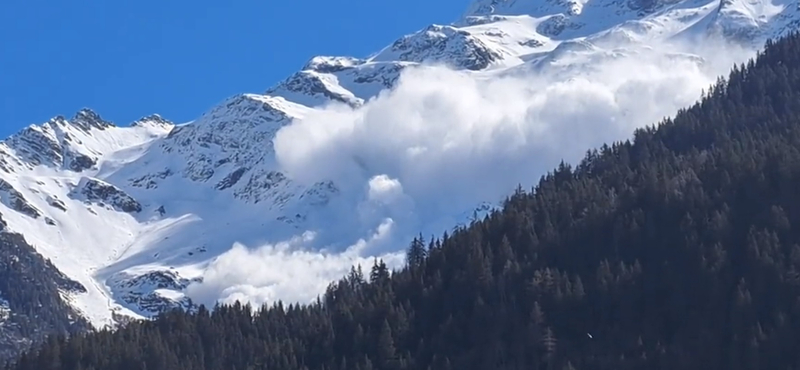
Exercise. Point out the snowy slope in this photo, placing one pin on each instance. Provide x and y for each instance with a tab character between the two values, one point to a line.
136	214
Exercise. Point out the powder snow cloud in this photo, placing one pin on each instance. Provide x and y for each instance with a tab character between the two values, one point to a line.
422	156
443	141
285	271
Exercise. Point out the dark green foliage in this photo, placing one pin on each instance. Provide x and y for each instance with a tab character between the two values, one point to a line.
32	307
678	250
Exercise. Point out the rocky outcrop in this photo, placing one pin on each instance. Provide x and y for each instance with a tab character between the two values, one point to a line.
57	142
38	145
16	201
151	293
98	191
328	64
318	86
56	203
78	162
320	194
150	181
442	44
86	120
153	120
231	179
272	187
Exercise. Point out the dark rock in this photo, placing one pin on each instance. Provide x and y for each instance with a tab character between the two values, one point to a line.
231	179
16	201
56	203
98	191
78	162
86	119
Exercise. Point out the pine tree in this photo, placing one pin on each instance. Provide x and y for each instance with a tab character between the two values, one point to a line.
416	254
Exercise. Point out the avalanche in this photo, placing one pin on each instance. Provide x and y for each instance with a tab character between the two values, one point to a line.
142	215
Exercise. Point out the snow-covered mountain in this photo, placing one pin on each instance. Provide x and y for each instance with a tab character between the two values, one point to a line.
136	213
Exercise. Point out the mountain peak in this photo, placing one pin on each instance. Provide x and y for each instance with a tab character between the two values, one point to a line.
329	64
86	119
153	120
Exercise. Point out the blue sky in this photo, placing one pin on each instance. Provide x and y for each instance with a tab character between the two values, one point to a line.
127	59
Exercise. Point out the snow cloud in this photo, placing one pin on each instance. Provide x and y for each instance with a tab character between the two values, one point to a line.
446	140
383	189
285	271
421	157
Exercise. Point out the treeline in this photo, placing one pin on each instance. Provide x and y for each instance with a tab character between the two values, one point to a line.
677	250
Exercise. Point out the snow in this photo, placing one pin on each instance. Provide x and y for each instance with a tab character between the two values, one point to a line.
213	183
5	311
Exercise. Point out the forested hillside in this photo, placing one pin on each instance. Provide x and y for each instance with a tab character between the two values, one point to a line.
31	304
678	250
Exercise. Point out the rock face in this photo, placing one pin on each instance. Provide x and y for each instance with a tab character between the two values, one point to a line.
442	44
79	162
56	203
16	201
87	120
97	191
153	120
151	293
55	144
231	179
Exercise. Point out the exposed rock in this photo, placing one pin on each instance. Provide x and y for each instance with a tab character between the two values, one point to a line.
555	25
326	64
145	293
532	43
78	162
231	179
201	169
445	44
86	119
485	19
271	186
386	74
153	120
56	143
237	133
38	145
56	203
97	191
150	181
320	194
16	201
313	84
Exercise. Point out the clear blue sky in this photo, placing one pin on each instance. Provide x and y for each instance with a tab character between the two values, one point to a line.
127	59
